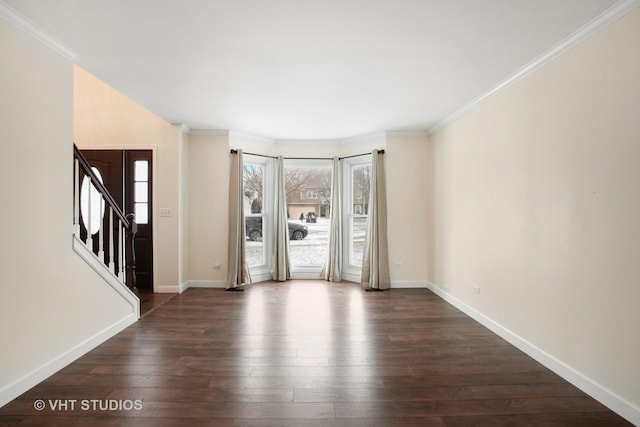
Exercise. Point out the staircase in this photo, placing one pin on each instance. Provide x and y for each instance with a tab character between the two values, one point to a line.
103	235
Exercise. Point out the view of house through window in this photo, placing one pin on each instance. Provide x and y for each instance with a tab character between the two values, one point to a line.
308	199
308	196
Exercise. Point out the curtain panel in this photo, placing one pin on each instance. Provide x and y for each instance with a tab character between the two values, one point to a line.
238	273
375	263
332	270
281	263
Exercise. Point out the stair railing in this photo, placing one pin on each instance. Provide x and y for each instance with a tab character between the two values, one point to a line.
113	242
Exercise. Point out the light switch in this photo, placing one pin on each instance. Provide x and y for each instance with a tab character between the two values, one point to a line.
165	212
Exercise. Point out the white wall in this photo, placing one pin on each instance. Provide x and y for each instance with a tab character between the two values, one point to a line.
53	307
537	202
105	118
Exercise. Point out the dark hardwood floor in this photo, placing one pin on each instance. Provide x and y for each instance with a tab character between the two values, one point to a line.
150	301
306	353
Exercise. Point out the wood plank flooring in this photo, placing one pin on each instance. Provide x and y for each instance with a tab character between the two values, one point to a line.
307	353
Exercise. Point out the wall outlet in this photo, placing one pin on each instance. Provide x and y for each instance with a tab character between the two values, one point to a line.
216	266
397	265
476	289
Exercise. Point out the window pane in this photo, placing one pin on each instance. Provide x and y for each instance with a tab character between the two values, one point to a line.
253	188
141	211
309	210
141	192
141	170
360	195
254	229
253	183
360	184
358	227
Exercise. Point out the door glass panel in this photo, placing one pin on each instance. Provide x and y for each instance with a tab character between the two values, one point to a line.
141	170
141	212
93	217
141	191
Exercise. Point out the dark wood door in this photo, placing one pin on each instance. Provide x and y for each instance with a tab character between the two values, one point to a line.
126	174
138	185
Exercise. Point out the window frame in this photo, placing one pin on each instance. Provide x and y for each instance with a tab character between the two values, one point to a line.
351	272
307	271
262	272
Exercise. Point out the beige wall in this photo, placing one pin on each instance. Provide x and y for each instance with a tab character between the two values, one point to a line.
208	206
208	177
537	202
51	302
407	204
104	118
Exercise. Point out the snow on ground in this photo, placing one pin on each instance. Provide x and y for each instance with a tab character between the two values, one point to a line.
312	250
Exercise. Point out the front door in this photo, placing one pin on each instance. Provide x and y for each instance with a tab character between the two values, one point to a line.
137	195
126	175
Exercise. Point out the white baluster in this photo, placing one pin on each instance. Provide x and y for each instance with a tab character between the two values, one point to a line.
111	238
120	252
101	232
76	201
88	219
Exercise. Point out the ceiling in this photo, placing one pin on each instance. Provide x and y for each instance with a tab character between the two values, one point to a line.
303	69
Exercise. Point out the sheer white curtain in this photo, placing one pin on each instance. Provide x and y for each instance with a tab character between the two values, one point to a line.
332	270
375	263
238	269
281	262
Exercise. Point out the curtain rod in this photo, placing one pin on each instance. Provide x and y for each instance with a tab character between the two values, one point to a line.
307	158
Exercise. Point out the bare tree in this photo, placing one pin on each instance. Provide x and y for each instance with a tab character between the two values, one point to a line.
298	180
362	185
253	180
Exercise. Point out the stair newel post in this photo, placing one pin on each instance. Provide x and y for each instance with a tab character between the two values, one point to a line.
130	253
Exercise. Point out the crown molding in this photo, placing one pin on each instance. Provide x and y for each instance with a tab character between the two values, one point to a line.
613	13
378	138
408	133
209	132
26	25
236	135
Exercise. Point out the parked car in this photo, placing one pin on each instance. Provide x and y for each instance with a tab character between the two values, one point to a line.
253	225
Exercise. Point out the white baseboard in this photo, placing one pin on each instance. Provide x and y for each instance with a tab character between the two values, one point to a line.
406	284
603	395
206	284
168	289
15	389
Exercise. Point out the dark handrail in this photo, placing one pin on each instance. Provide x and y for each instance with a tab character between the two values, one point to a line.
86	167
